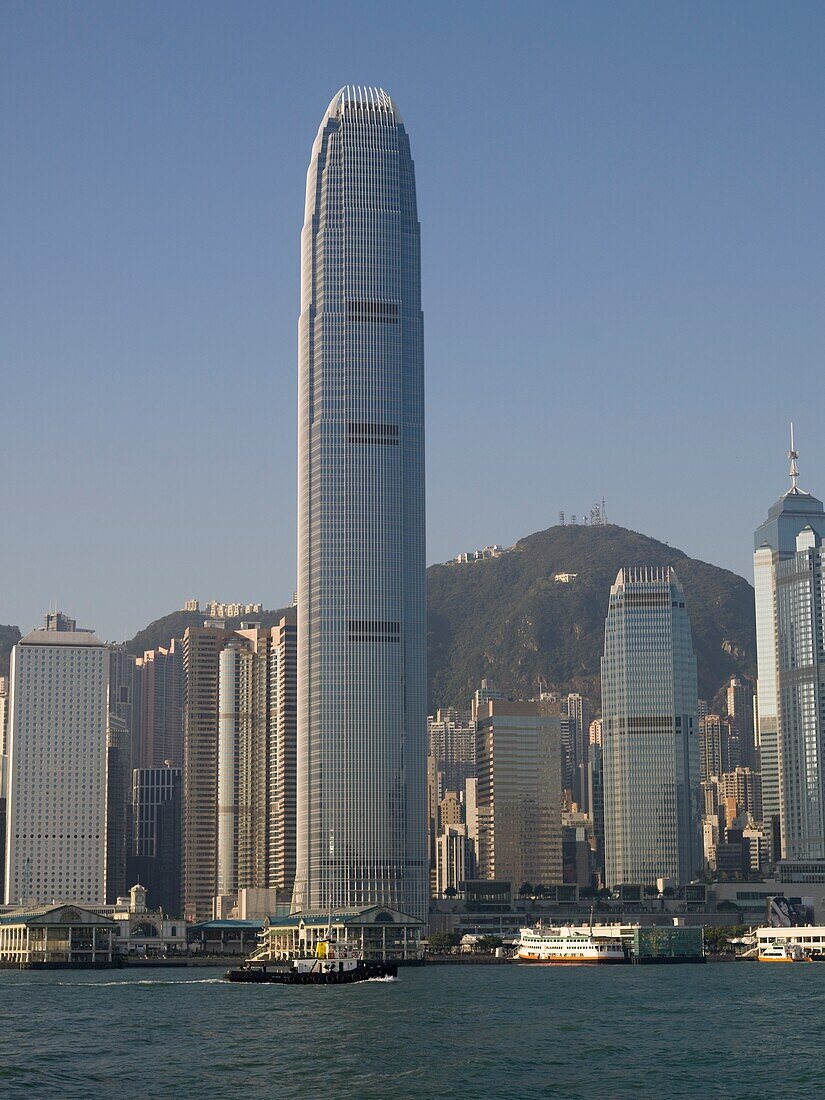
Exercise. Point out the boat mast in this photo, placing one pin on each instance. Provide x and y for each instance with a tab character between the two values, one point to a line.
329	883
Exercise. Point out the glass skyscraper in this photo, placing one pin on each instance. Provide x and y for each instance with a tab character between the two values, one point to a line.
649	731
362	722
790	670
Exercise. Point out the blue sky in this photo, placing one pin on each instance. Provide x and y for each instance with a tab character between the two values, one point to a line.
623	277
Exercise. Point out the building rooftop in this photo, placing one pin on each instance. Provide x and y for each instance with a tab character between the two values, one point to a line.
61	637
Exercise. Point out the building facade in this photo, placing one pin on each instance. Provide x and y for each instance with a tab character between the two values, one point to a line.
56	844
160	690
774	542
362	723
156	860
519	793
800	633
650	731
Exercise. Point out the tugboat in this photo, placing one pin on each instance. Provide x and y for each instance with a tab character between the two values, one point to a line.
332	964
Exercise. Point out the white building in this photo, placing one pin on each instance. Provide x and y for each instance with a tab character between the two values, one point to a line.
57	768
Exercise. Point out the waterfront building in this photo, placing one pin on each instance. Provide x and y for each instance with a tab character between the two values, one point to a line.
160	690
362	717
651	743
775	541
156	859
64	934
56	836
377	932
518	756
201	651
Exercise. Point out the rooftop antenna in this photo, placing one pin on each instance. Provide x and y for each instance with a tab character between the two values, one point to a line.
793	455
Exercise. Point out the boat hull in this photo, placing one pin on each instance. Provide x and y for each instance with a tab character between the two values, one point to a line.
571	961
361	973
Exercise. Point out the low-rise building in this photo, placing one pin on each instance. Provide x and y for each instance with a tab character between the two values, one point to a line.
57	935
376	932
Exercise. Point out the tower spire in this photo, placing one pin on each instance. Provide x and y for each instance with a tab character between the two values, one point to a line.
793	455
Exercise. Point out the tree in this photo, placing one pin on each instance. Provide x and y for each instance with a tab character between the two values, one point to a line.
450	892
525	890
443	941
488	944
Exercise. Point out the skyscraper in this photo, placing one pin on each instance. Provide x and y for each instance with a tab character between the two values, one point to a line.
57	766
774	542
362	723
800	630
519	761
650	731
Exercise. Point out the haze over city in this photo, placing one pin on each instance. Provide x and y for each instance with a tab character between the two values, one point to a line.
621	279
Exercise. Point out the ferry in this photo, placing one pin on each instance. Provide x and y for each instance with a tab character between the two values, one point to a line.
777	952
568	946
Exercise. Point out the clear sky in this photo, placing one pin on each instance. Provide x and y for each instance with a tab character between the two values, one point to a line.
621	208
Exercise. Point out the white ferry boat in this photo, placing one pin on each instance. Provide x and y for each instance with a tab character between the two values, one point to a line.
568	946
777	952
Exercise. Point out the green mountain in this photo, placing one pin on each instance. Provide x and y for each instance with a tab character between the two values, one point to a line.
508	619
9	635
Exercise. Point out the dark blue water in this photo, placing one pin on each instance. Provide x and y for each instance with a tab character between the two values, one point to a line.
735	1031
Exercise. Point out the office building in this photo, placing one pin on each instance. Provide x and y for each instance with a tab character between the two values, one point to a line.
362	719
118	806
58	722
650	731
157	852
519	757
775	541
800	631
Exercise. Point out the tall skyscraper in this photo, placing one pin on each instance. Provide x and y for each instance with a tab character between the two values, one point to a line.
650	731
201	651
774	542
57	766
800	632
159	674
519	761
362	722
740	719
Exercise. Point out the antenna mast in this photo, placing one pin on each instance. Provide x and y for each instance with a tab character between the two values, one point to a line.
793	473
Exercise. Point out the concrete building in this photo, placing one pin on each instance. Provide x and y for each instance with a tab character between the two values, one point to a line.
518	757
710	747
739	698
201	652
235	760
775	541
452	859
56	844
160	688
740	792
362	719
651	743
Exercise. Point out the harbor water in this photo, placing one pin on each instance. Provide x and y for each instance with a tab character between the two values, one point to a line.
735	1031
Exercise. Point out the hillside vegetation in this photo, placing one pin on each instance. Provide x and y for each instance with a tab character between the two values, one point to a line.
508	619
